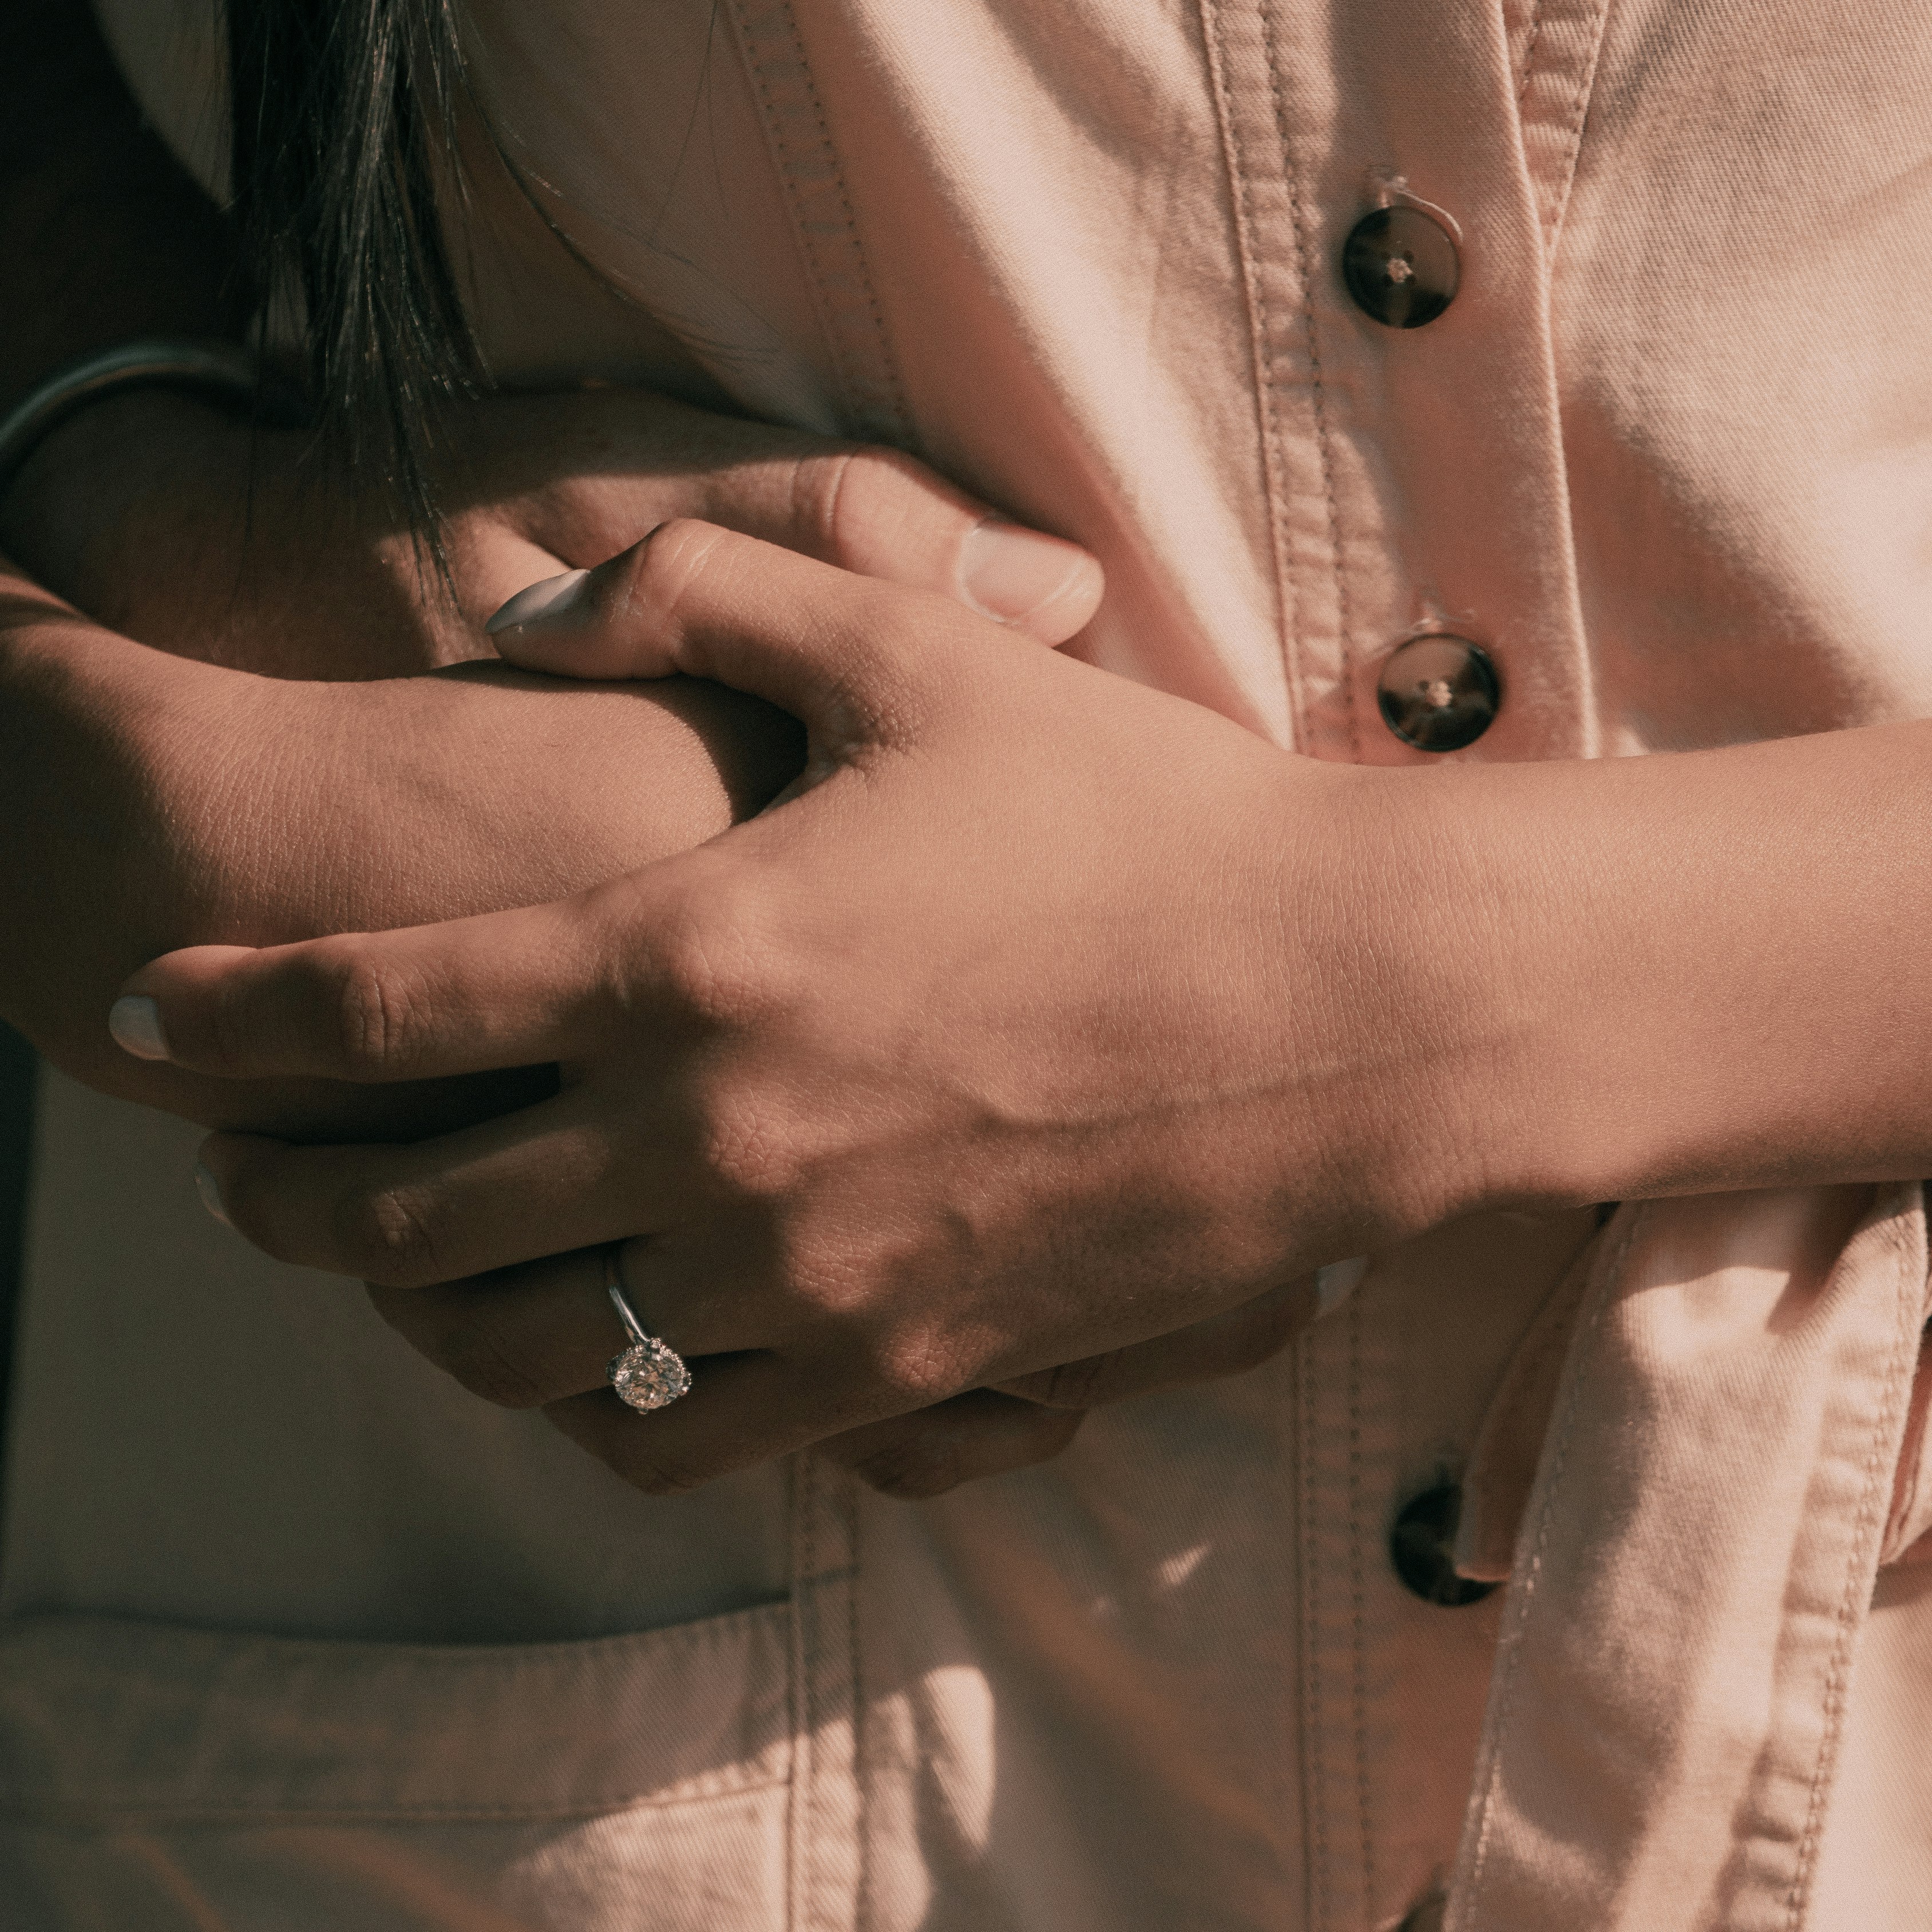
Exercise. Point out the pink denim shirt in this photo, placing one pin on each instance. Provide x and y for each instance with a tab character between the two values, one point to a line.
350	1649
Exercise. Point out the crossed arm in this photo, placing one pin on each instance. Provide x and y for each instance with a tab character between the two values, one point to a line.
261	729
1052	1022
1051	1014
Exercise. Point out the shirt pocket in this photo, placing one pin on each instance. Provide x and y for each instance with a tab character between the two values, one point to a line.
164	1776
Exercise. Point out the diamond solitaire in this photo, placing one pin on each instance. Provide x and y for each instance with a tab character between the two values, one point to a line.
650	1374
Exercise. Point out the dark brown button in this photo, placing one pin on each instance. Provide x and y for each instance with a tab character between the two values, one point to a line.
1401	266
1422	1546
1438	693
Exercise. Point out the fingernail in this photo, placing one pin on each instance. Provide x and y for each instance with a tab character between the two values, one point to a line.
1335	1283
555	597
135	1021
1007	573
210	1195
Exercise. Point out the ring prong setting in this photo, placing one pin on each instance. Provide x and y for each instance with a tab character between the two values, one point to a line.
650	1375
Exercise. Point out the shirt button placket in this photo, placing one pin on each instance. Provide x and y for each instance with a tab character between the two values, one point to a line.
1401	269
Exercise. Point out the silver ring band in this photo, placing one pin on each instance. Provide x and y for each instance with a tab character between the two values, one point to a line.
650	1373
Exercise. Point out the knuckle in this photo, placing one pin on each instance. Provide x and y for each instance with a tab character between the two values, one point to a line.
373	1011
391	1236
368	1016
229	1046
749	1150
936	1450
667	567
912	1370
658	1476
818	492
854	499
718	955
911	1469
1056	1432
249	1200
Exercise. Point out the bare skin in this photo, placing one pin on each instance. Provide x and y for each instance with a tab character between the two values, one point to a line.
1050	1014
238	775
283	804
200	800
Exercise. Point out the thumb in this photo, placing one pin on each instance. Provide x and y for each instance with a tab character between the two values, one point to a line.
879	514
841	653
875	512
911	530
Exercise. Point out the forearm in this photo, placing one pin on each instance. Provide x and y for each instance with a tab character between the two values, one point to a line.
113	758
1694	973
86	873
148	803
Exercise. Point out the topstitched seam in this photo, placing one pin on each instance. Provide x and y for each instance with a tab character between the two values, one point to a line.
849	380
1526	1596
1912	1461
774	121
1905	1353
1358	1590
1313	1732
862	1908
1298	213
1550	187
61	1815
804	1564
1572	137
1530	40
1267	419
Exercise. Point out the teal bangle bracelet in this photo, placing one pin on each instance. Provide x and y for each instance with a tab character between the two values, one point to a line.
223	372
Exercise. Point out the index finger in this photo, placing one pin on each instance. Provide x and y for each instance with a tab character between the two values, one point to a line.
501	989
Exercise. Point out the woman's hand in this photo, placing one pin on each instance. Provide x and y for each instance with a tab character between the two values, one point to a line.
516	1337
153	800
157	806
1014	1037
171	522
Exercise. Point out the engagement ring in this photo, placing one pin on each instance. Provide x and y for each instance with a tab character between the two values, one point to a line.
650	1372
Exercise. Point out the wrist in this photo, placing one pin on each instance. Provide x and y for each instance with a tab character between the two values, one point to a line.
98	805
1693	973
1421	925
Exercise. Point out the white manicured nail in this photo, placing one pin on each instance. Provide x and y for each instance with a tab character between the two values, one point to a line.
135	1021
1335	1283
554	597
210	1195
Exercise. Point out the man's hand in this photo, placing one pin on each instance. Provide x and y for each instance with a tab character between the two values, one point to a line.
1010	1038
